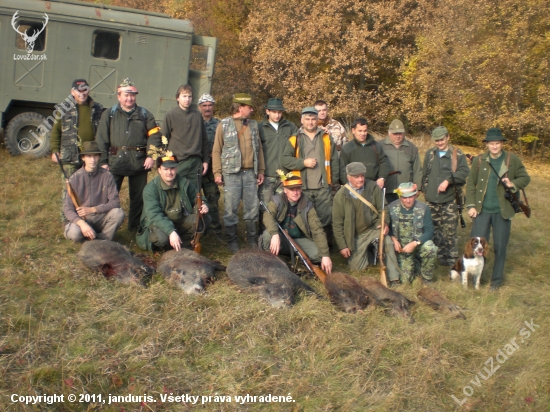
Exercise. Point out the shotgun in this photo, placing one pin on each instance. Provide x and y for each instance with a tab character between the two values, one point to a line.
70	192
383	280
313	269
196	242
517	204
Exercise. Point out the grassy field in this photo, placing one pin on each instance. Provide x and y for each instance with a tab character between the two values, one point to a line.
65	330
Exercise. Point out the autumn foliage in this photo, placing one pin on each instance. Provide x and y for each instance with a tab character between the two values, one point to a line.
467	64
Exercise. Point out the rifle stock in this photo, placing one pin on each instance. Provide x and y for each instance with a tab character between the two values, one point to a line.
196	242
313	269
70	192
383	279
459	203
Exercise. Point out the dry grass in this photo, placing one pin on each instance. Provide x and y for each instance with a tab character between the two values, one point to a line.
66	330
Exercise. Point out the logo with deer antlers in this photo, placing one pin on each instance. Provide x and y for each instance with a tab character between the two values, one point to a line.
29	39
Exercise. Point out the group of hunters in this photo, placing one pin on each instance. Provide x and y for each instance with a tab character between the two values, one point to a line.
323	187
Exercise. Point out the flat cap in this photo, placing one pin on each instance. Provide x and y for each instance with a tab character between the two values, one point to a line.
356	168
310	110
243	98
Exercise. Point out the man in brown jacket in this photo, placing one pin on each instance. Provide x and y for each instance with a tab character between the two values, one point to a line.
98	215
237	155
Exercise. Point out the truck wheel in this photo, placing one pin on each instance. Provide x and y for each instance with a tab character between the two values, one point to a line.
19	139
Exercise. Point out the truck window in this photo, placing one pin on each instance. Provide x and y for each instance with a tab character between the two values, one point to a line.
26	31
106	44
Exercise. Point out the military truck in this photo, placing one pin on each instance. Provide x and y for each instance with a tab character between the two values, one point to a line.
45	45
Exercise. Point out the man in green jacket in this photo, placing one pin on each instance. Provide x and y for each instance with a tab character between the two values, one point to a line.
274	134
295	213
356	221
445	169
312	155
168	218
122	137
364	149
485	198
403	158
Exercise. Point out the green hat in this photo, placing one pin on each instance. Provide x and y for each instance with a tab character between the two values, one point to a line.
275	104
439	133
243	98
406	189
494	134
89	148
356	168
396	126
310	110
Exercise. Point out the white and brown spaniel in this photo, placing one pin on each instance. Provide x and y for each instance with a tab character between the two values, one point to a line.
472	262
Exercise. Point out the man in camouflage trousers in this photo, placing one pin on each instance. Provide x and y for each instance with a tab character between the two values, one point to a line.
209	186
445	168
411	231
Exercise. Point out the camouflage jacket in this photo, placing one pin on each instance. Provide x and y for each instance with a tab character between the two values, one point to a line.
422	221
337	132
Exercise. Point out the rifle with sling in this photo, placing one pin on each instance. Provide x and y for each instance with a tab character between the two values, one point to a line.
70	191
313	269
517	204
383	279
458	196
196	242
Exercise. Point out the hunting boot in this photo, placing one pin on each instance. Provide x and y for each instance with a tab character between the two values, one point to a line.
232	242
252	233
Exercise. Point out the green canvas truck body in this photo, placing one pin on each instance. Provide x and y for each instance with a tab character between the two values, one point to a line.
101	43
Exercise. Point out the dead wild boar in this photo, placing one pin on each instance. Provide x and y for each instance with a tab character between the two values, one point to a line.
188	270
346	293
397	304
267	275
438	302
114	261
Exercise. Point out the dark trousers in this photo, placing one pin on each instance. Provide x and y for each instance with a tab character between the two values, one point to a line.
136	184
501	233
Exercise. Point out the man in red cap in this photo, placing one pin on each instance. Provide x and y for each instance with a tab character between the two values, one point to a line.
122	136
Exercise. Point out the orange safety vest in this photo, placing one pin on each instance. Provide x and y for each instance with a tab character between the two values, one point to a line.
326	144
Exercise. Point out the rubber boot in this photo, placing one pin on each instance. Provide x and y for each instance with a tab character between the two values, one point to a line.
232	242
252	233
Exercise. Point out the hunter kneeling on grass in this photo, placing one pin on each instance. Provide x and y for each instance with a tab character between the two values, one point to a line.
168	219
356	221
295	213
98	213
412	232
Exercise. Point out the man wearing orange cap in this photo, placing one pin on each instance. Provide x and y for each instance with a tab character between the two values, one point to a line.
122	137
295	213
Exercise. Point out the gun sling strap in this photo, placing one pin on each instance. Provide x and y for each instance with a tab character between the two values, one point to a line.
361	198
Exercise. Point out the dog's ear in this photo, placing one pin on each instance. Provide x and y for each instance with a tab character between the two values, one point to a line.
469	248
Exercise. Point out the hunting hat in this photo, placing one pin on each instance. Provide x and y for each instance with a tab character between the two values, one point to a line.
243	98
275	104
310	110
439	133
396	126
292	182
206	98
355	169
494	134
406	190
89	148
79	84
167	161
127	86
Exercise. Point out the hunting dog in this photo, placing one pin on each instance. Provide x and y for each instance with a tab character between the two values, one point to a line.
471	263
